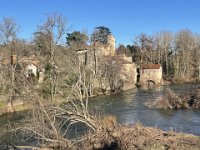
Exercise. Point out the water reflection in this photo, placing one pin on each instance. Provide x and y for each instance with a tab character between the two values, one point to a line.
129	108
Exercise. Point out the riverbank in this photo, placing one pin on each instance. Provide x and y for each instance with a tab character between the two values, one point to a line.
134	137
19	106
175	81
139	137
129	108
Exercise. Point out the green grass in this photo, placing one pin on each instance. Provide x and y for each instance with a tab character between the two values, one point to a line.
2	104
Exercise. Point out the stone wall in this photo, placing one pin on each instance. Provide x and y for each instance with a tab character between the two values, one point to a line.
154	75
128	76
99	54
125	58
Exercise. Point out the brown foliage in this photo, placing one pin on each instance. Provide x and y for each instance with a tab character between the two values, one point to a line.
139	137
173	101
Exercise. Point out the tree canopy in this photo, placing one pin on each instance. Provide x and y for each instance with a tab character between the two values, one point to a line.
76	38
100	34
121	49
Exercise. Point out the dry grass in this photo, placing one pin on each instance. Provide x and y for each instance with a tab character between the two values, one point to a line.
112	136
137	137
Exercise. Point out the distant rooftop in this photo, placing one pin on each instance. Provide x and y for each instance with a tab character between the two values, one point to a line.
150	66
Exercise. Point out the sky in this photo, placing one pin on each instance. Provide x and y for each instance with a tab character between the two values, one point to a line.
125	18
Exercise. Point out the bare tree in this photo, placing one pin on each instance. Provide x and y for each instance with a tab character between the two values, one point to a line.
184	46
165	50
8	33
109	72
49	35
147	46
8	30
195	56
50	123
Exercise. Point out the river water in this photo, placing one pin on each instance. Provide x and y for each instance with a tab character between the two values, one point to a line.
129	108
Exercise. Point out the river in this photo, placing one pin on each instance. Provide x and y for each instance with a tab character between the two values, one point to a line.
129	108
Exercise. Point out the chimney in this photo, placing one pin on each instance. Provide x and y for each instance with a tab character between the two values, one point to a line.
13	59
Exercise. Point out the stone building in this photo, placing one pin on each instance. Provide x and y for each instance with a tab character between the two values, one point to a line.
99	55
129	74
29	65
109	48
33	66
31	69
150	74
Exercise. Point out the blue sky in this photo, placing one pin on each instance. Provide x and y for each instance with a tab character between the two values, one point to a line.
125	18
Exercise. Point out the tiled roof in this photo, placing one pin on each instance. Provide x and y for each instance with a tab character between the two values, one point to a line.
150	66
24	59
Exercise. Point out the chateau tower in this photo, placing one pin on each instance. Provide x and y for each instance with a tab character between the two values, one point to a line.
111	45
